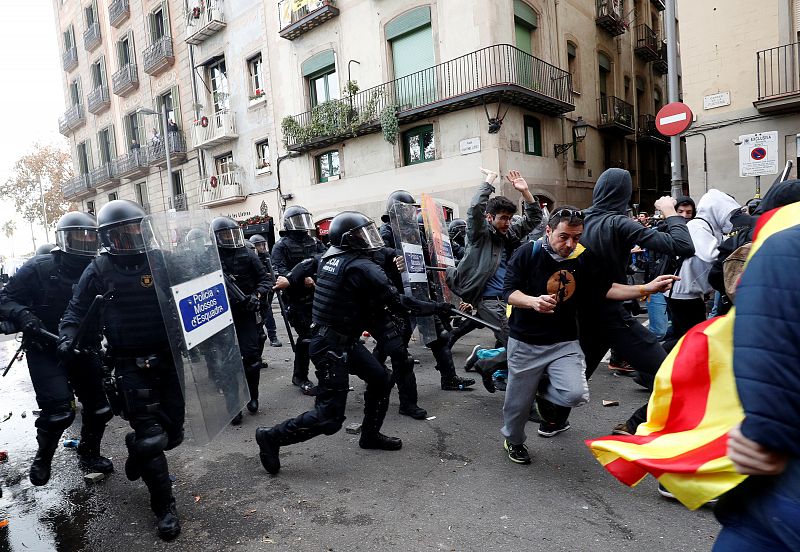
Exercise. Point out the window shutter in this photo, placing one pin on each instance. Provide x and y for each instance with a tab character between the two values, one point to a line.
176	106
103	79
604	62
525	15
165	15
572	50
522	37
318	62
131	47
407	22
112	142
413	52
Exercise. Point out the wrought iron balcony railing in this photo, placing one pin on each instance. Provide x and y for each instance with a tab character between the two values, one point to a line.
648	46
220	189
778	72
132	164
91	37
103	176
77	186
176	144
615	114
660	65
158	56
72	119
660	5
126	80
98	100
69	59
179	202
646	129
118	12
610	16
203	20
487	75
295	22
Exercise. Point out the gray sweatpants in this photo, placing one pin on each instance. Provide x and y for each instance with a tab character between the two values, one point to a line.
566	367
494	312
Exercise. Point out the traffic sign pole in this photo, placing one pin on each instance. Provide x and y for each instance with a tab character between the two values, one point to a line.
672	91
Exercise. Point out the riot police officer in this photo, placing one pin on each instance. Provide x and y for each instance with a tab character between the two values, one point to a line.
295	246
458	233
45	248
139	349
35	299
244	269
351	290
260	244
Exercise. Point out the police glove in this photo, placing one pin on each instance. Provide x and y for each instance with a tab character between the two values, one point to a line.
65	348
29	322
444	308
253	303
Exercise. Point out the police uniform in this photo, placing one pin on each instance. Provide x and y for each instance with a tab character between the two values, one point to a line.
42	288
266	305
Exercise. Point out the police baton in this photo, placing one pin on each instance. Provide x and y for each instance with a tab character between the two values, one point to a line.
94	309
279	295
18	354
454	311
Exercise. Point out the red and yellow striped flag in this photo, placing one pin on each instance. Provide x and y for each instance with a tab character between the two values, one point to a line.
693	407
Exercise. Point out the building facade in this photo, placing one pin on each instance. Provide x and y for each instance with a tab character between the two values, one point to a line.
740	77
348	100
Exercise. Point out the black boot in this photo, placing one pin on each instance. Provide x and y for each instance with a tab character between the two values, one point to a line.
379	441
167	523
456	383
253	375
40	468
413	411
375	407
237	420
132	471
89	450
268	450
155	474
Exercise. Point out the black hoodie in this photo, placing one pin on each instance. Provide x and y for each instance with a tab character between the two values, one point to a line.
610	235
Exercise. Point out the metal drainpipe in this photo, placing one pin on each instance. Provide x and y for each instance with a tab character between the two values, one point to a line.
201	155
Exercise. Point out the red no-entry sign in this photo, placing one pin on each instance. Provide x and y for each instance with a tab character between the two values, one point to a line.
673	119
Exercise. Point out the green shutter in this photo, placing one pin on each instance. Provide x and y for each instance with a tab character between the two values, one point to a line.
604	62
317	63
533	136
525	15
572	50
412	53
522	35
409	21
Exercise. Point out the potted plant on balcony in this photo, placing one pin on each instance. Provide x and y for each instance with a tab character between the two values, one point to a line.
258	96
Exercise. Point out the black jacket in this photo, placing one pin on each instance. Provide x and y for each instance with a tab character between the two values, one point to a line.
610	235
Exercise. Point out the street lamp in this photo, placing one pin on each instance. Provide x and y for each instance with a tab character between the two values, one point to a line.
578	134
146	111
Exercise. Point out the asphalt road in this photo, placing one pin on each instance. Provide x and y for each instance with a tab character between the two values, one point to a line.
450	488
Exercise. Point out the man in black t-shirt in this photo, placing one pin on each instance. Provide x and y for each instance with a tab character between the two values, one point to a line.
545	283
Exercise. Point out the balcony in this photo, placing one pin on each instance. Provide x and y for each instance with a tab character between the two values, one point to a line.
221	189
611	16
132	164
615	115
91	37
660	5
177	150
646	130
98	100
499	72
660	65
214	130
71	120
297	22
103	177
159	56
69	59
204	21
779	79
126	80
118	12
77	187
648	46
179	202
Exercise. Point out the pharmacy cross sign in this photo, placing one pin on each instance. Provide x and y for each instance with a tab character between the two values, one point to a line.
673	119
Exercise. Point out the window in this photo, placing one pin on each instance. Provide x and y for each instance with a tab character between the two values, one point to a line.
324	86
168	100
218	76
69	38
90	206
263	165
141	194
133	131
410	37
658	101
157	25
572	66
525	23
533	136
328	166
604	70
224	163
84	159
75	91
98	74
255	83
105	142
113	196
90	14
419	145
177	183
125	51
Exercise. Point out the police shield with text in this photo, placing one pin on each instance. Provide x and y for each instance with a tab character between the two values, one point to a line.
295	246
139	350
34	301
245	271
351	289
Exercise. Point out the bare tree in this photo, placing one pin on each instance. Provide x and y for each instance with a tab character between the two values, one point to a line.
9	227
49	164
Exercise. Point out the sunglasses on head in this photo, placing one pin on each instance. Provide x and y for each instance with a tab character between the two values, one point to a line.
564	213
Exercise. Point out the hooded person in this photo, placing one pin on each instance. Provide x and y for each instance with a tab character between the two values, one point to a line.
611	235
686	301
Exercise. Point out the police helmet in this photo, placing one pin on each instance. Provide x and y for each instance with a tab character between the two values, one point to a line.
119	227
457	227
76	234
196	239
297	218
227	233
255	239
354	231
752	205
44	249
398	196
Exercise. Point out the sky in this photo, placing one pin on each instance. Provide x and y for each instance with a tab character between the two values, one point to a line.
33	98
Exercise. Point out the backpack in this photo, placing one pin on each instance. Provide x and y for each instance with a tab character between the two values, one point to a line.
732	269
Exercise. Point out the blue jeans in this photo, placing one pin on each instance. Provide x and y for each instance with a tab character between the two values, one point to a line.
762	514
657	313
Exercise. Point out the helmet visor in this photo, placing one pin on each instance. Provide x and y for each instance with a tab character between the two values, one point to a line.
123	239
366	238
78	241
230	238
300	221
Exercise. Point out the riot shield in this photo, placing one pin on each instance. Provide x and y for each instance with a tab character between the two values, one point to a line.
439	247
197	313
403	219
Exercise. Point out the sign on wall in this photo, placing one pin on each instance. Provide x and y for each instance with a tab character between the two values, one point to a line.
714	101
469	145
758	154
